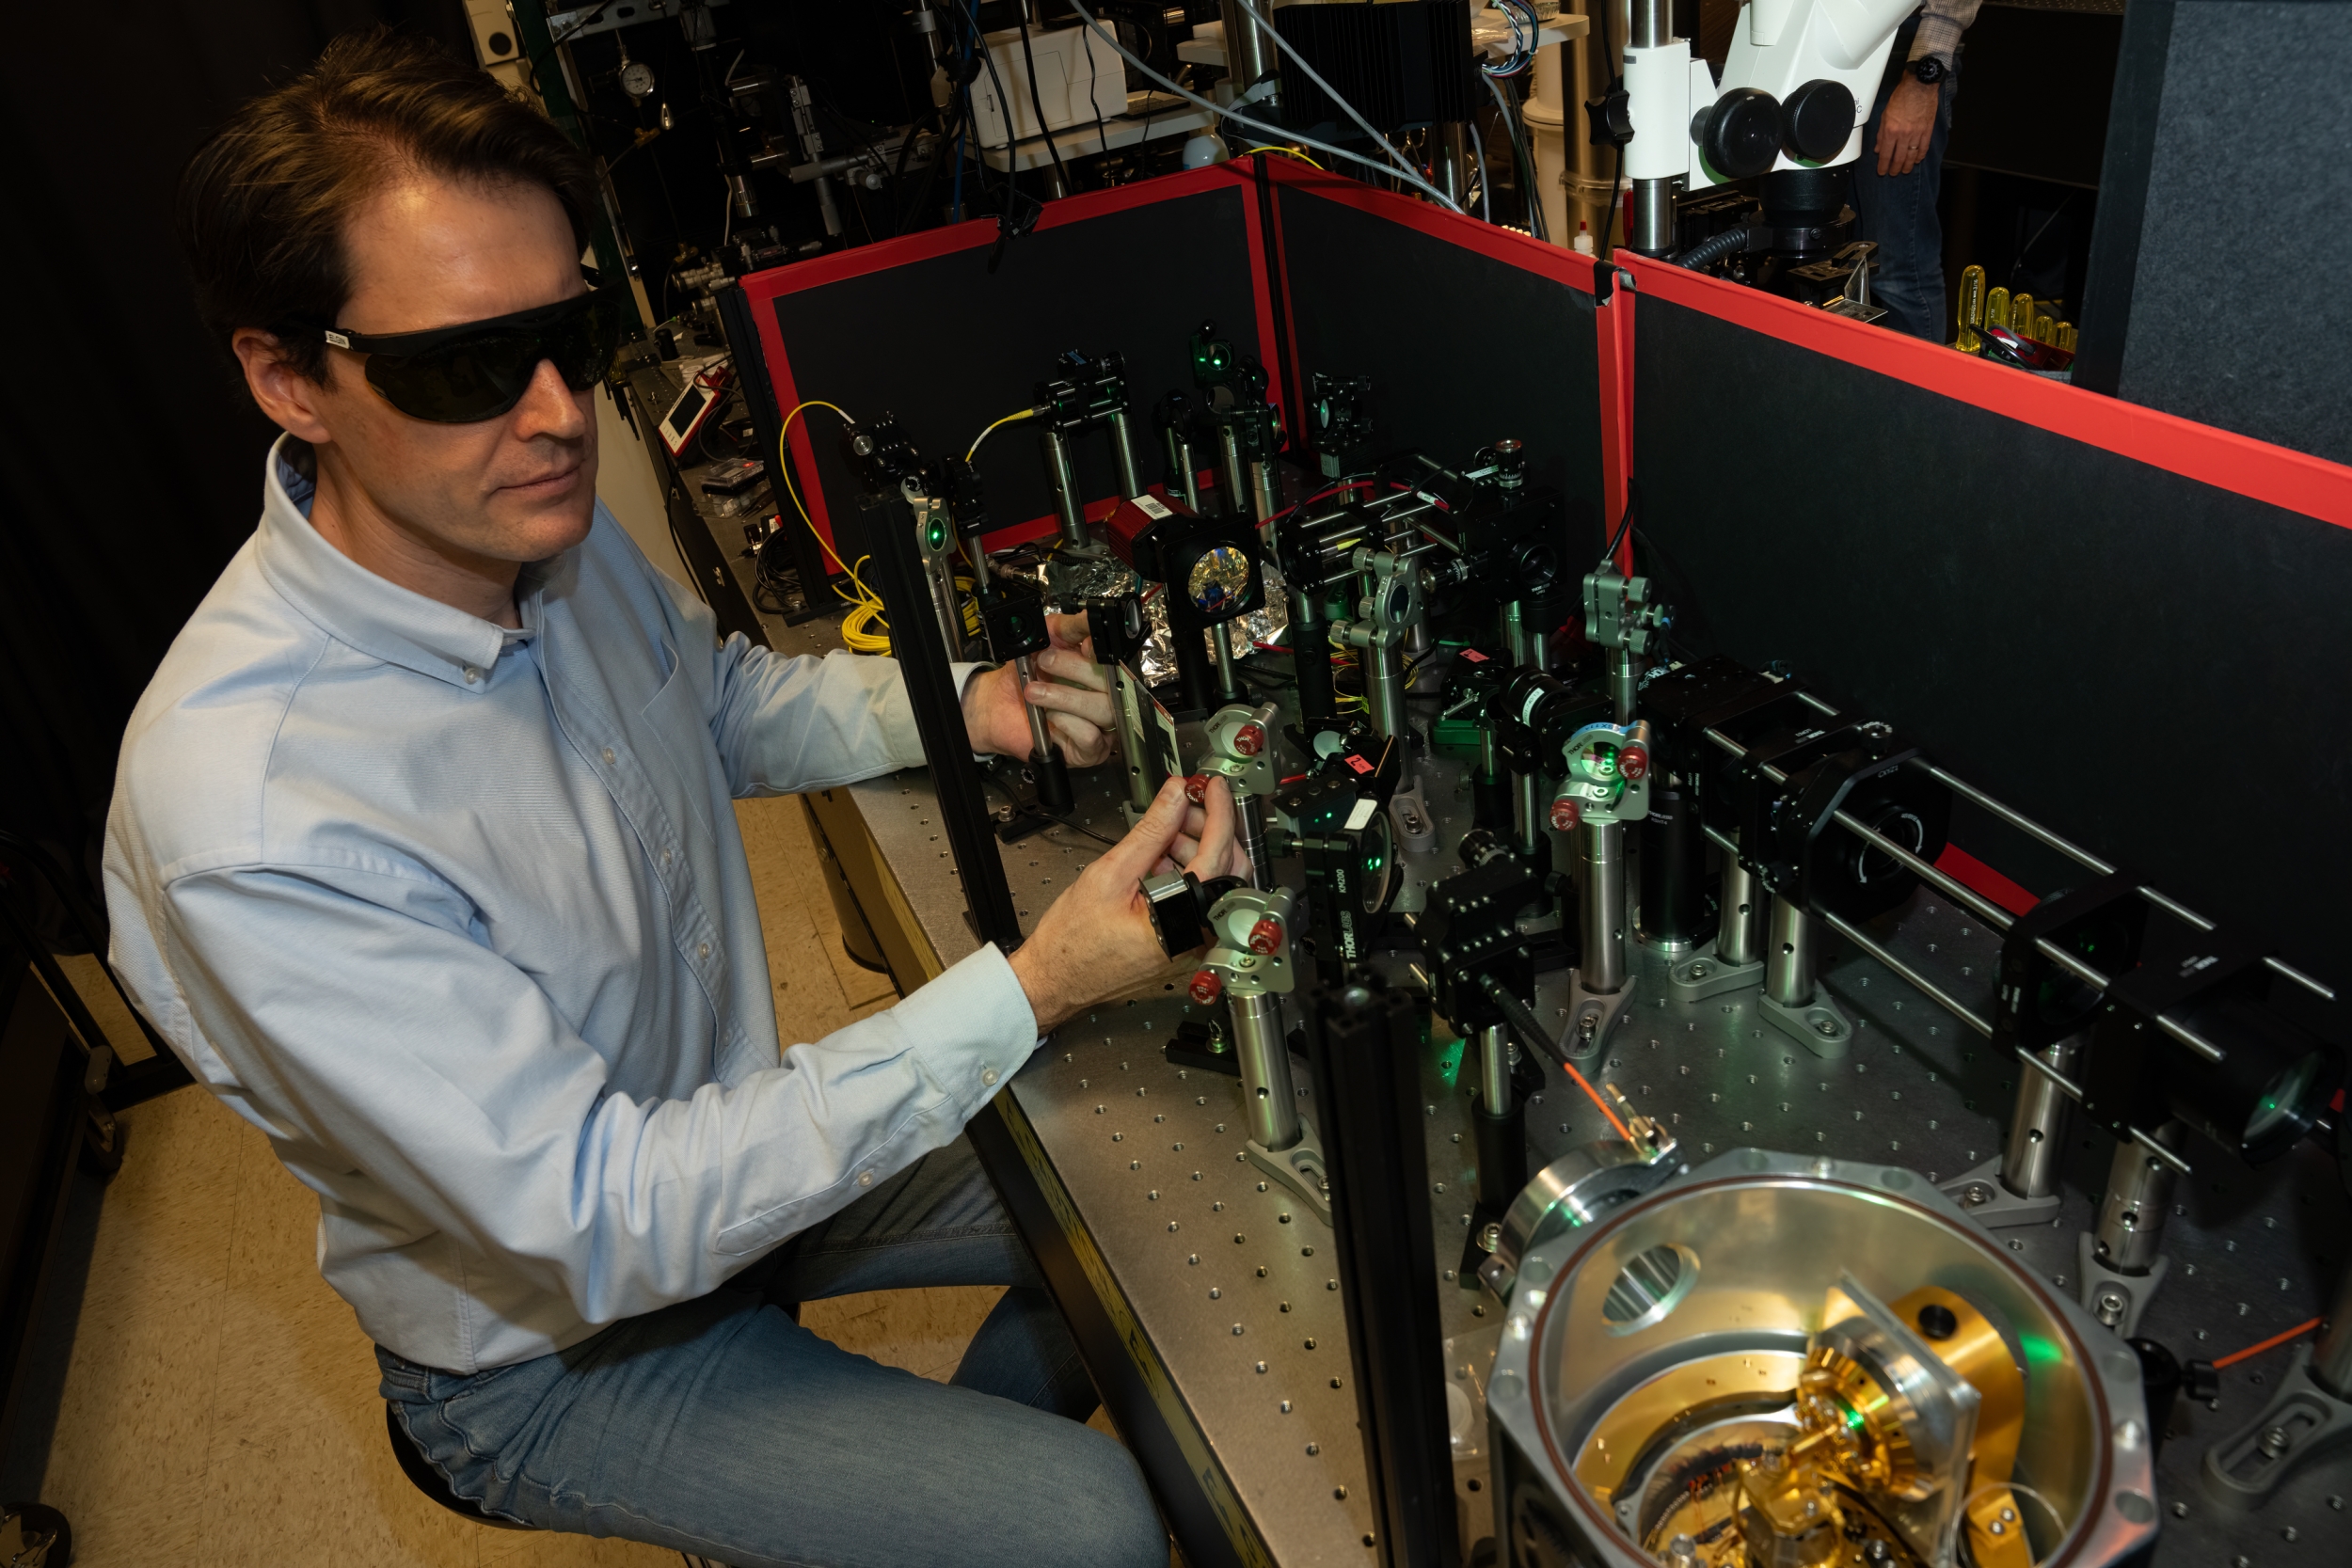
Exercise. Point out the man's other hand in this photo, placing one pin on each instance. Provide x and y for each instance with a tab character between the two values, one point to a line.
1097	939
1908	123
1074	691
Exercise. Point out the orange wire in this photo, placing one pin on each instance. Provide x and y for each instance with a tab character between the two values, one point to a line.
2236	1356
1596	1100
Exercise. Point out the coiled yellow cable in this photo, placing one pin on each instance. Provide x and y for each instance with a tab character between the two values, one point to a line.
866	629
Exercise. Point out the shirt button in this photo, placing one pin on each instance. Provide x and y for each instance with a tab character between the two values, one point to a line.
607	756
473	675
704	951
665	857
865	1179
988	1075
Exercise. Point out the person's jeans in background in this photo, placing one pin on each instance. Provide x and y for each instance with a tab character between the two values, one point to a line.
722	1428
1898	212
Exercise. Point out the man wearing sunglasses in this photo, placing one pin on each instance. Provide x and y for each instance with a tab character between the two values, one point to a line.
423	856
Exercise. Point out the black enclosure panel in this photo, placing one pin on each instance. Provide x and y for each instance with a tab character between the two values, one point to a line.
1462	347
2227	142
947	346
2158	668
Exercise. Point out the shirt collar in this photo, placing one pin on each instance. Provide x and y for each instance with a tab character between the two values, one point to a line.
354	605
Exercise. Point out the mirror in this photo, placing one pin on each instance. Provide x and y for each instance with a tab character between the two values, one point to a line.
1219	581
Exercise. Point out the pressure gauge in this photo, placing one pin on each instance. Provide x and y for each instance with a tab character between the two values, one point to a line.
637	80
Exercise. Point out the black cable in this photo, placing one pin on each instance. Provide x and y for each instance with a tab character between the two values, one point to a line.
2026	249
1037	103
1633	500
1507	104
987	57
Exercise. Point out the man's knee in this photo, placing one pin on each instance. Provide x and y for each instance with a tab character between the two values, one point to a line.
1105	1517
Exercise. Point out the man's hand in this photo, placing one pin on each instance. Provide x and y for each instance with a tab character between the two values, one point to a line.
1097	940
1907	124
1078	714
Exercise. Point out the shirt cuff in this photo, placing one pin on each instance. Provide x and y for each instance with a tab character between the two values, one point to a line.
972	1027
1938	35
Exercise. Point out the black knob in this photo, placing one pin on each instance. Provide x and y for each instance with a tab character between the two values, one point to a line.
1739	134
1937	1320
1817	121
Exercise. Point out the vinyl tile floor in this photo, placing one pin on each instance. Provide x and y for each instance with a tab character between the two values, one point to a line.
218	1405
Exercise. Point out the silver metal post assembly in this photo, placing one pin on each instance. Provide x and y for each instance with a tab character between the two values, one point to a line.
1600	905
2308	1416
1269	1099
1134	743
1651	227
1065	480
1123	455
1266	489
1236	746
2121	1262
1229	687
2021	1186
1233	475
1249	833
1517	638
1792	1001
1746	905
1494	1065
1734	960
1249	964
1248	53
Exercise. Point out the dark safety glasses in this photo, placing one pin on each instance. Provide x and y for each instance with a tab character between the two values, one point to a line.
479	370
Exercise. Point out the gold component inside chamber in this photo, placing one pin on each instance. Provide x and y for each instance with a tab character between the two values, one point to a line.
1855	1453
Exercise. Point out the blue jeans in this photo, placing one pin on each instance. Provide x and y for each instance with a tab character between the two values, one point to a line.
722	1428
1898	212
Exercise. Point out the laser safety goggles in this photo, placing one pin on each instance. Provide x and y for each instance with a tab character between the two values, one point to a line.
480	369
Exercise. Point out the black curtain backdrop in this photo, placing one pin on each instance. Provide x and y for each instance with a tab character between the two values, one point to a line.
130	453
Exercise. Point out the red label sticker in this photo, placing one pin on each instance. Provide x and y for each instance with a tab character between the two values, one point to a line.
1359	763
1473	656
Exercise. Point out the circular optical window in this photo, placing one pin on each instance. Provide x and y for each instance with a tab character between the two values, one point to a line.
1649	1286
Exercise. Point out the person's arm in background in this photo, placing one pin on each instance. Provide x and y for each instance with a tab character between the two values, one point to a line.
1909	122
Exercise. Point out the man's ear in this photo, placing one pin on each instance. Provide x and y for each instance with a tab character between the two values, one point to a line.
292	399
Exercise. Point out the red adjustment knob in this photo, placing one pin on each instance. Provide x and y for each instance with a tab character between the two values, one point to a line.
1249	739
1207	987
1566	814
1633	762
1266	936
1197	789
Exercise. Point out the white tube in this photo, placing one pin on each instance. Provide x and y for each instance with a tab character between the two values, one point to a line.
1768	20
1546	116
1658	83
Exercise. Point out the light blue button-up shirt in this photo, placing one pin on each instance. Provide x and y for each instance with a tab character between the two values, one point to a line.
459	917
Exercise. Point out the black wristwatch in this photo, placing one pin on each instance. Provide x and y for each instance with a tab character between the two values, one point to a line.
1930	70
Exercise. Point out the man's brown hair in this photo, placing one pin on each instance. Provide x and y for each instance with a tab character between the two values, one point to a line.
263	204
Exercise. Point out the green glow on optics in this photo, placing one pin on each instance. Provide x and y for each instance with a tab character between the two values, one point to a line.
1450	1061
1604	759
1853	1419
935	536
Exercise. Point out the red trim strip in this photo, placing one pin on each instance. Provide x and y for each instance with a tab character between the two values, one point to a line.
1503	244
946	241
1614	332
2293	479
1974	875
